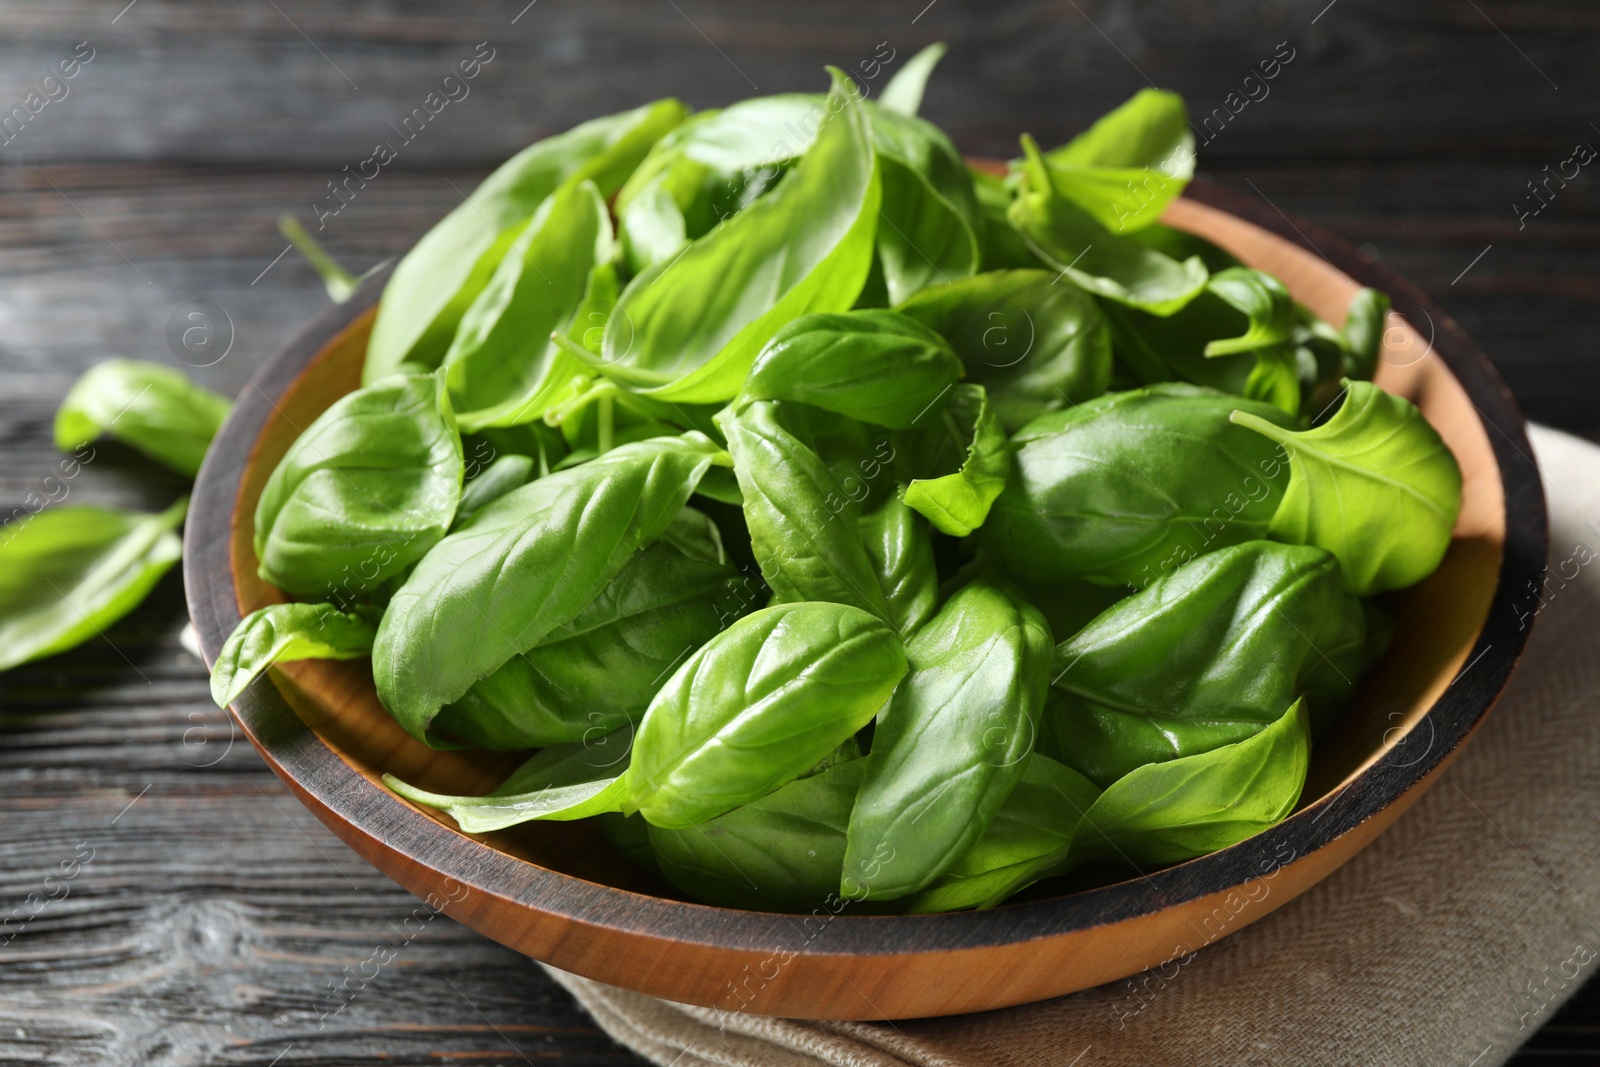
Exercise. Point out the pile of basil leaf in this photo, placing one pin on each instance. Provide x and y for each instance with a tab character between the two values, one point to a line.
831	520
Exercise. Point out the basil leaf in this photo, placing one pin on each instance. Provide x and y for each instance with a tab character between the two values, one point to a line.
904	91
1375	485
950	746
783	852
1206	656
1134	161
499	478
1034	826
279	633
560	784
689	330
153	408
1001	247
364	492
68	573
441	276
522	567
651	227
599	671
1127	487
1071	241
757	706
876	366
1166	813
1364	324
1033	345
1265	303
502	367
802	525
901	554
927	229
958	503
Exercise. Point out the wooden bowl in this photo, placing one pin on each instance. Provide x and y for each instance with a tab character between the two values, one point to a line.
557	892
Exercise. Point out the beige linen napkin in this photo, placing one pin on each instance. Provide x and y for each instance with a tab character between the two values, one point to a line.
1448	941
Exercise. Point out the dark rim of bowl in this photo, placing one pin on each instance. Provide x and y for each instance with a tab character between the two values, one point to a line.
298	755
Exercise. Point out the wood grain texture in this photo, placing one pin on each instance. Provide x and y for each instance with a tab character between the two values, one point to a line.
1408	129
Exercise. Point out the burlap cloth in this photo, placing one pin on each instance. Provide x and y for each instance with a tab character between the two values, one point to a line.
1448	941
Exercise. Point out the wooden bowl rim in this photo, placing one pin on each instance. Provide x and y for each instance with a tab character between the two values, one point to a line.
313	771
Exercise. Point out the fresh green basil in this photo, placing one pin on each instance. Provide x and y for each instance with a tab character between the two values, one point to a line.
876	366
970	435
443	274
153	408
1206	656
757	706
369	487
783	852
802	525
1126	168
905	89
1375	485
1073	242
1128	487
1034	345
506	473
901	554
951	744
1365	320
522	567
502	367
67	573
279	633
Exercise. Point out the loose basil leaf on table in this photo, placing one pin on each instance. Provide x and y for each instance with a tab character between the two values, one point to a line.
1375	485
802	525
67	573
559	784
279	633
1165	813
1071	241
369	487
783	852
503	368
757	706
600	670
445	271
1134	161
1033	827
1206	656
506	473
1127	487
1035	346
876	366
523	566
970	438
692	327
153	408
951	744
904	91
901	554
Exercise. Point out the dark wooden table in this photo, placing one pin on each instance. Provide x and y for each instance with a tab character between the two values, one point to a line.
210	918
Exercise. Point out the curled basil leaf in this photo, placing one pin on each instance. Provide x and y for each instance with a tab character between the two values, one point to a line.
279	633
802	525
445	271
524	566
757	706
369	487
782	852
901	553
958	503
951	744
1375	485
688	330
68	573
153	408
1134	161
876	366
503	368
1034	345
1206	656
1110	265
1130	486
